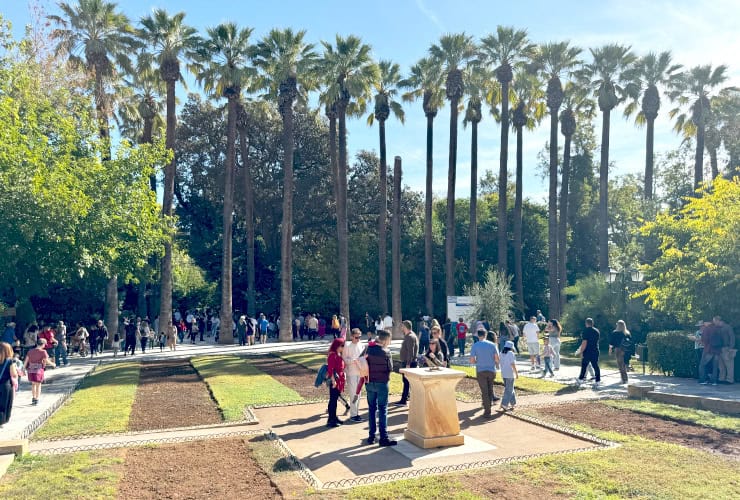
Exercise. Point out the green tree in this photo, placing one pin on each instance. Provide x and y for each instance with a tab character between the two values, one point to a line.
425	81
452	53
492	300
609	75
653	71
170	41
287	63
504	51
225	71
386	89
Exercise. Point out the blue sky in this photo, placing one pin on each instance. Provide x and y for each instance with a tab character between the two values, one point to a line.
697	32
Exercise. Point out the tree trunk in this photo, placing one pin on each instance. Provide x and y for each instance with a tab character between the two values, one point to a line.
552	220
286	242
141	309
249	223
396	250
111	306
604	195
226	335
450	227
713	163
563	231
699	157
503	179
342	218
474	202
518	201
428	283
165	295
144	285
146	138
649	158
382	231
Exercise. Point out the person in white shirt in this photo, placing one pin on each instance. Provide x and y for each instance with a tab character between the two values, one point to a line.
215	323
532	334
353	350
388	323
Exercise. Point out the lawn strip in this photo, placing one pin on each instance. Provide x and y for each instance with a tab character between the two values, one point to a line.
704	418
93	475
236	384
101	405
171	394
297	377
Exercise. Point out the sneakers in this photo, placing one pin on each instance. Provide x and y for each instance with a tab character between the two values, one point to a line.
597	385
370	440
495	398
387	442
356	418
34	401
400	403
706	382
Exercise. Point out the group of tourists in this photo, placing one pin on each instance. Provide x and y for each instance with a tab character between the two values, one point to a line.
714	343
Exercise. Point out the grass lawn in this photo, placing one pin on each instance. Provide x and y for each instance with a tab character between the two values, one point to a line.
101	405
698	417
313	361
440	486
235	384
74	475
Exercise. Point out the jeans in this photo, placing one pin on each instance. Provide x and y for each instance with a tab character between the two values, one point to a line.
516	344
485	382
405	393
354	403
709	357
509	397
699	355
333	397
592	358
377	401
144	341
548	366
61	354
619	354
130	345
555	344
461	347
242	339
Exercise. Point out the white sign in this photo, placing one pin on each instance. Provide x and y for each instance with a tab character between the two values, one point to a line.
460	307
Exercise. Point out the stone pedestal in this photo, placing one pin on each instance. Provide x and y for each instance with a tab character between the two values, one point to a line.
433	420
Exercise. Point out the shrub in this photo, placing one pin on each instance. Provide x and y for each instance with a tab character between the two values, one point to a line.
492	301
672	353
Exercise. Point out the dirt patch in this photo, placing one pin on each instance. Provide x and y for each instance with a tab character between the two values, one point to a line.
171	394
492	485
221	468
297	377
606	418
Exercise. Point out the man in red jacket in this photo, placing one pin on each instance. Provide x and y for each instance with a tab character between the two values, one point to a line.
51	343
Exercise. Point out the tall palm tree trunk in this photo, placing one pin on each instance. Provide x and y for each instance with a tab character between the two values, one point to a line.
503	179
248	222
146	138
142	305
396	250
343	235
552	219
604	195
699	157
450	228
649	158
226	335
563	230
713	162
474	202
382	231
165	294
286	242
428	283
518	268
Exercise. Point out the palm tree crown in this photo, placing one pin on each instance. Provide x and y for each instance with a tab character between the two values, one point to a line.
553	60
693	88
652	71
225	56
611	75
453	53
505	50
145	106
350	73
386	89
171	40
425	81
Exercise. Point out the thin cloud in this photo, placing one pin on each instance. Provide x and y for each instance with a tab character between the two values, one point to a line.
429	14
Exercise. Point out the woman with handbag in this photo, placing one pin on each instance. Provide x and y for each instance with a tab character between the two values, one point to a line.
8	382
336	380
36	361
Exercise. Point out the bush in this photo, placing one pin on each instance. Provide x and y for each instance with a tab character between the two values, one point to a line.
672	353
494	300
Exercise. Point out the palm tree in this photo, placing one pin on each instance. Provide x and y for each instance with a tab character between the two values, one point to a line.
97	37
554	60
243	119
453	53
653	71
286	63
478	88
528	112
726	109
396	250
170	41
425	81
224	58
386	89
505	50
608	75
694	89
577	105
350	74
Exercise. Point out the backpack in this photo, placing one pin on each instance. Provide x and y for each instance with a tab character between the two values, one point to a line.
321	376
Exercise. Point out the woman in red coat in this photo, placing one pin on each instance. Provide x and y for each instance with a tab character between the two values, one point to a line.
335	372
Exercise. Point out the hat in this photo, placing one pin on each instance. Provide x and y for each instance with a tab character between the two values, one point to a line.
509	344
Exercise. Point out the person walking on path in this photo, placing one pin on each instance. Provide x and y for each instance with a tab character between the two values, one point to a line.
532	334
462	332
98	334
514	333
589	352
554	331
380	366
8	382
618	340
698	346
484	355
116	344
36	362
241	330
144	333
353	350
51	342
712	341
548	353
727	354
509	373
9	333
61	351
337	380
409	353
130	338
171	334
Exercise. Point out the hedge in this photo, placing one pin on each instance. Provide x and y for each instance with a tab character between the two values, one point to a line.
672	353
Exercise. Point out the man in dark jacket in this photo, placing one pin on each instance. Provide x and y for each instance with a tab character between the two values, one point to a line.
98	334
409	353
380	366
